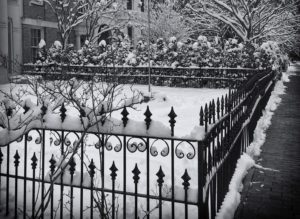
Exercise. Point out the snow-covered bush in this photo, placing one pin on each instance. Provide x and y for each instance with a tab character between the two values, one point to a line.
160	50
248	55
168	53
269	55
89	54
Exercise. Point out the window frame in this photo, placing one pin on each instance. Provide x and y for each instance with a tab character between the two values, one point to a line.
130	32
129	4
34	49
142	5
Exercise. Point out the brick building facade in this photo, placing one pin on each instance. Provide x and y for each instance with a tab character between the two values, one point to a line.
39	22
23	23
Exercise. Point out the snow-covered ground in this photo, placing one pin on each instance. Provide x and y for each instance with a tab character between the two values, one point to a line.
247	160
186	103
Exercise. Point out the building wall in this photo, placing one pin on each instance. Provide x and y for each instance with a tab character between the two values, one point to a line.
134	24
42	17
25	16
14	17
26	44
51	34
39	17
3	40
32	10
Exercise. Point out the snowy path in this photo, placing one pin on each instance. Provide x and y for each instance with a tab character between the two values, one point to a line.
273	191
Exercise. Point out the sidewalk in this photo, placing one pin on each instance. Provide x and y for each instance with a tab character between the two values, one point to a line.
274	192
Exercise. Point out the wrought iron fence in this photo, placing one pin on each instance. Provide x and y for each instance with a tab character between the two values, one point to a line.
148	176
178	77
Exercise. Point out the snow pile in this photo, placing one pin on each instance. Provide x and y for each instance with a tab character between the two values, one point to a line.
246	161
264	122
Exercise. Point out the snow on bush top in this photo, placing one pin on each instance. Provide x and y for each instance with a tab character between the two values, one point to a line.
42	44
57	44
172	39
202	39
102	43
179	45
131	59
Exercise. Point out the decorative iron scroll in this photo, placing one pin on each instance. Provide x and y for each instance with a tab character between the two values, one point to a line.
179	152
134	146
165	151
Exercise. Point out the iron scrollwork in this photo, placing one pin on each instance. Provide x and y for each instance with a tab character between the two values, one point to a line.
109	146
67	142
38	139
58	138
180	153
134	146
165	151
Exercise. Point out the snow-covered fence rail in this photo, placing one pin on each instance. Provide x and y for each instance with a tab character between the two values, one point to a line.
161	76
111	172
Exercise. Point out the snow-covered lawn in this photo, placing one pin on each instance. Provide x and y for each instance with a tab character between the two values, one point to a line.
186	103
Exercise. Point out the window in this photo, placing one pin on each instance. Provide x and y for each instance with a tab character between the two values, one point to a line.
82	40
129	5
142	4
105	35
130	32
35	40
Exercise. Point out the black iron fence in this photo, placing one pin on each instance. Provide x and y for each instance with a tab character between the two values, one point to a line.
116	175
177	77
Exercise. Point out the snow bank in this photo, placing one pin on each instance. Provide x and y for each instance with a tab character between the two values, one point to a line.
232	198
246	161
